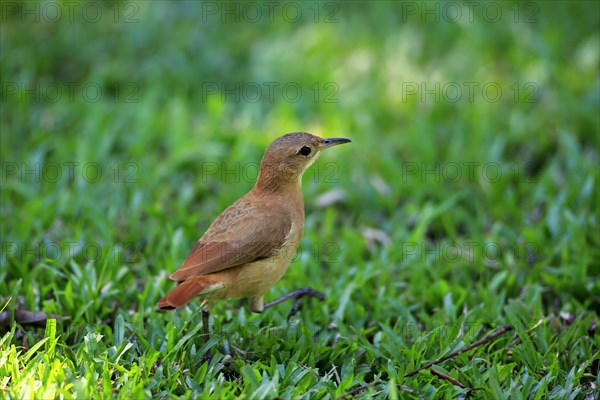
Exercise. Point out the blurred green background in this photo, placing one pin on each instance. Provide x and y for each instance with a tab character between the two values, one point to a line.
127	127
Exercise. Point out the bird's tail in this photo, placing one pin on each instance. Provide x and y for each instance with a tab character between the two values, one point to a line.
184	292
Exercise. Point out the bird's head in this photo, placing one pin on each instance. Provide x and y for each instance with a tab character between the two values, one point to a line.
290	155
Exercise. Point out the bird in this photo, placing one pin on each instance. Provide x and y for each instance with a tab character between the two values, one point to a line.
249	246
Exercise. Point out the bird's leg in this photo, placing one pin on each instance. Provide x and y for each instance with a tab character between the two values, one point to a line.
297	295
205	327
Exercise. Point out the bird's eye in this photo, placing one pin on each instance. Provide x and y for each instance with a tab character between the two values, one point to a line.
304	151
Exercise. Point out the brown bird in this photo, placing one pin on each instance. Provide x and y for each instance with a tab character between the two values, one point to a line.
246	250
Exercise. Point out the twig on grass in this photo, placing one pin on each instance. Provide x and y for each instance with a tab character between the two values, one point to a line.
486	339
24	318
448	378
357	390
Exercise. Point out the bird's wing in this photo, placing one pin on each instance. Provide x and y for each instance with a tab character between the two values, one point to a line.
244	232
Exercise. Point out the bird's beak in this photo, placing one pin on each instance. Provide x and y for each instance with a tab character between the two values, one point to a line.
330	142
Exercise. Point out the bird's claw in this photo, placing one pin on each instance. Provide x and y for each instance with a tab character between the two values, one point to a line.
304	292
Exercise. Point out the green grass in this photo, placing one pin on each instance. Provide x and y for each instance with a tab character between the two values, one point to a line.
415	261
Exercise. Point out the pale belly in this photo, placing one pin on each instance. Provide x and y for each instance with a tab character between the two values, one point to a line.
256	278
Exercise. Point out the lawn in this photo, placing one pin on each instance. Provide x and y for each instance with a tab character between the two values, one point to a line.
459	228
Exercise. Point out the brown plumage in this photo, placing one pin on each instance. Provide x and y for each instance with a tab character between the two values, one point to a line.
246	250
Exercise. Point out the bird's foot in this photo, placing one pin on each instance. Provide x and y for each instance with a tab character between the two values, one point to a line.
304	292
297	295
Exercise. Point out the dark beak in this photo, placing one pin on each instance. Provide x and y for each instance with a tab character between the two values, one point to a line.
330	142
